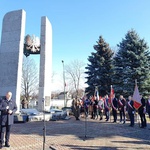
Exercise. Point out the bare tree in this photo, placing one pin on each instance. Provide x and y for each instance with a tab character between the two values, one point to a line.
75	74
30	78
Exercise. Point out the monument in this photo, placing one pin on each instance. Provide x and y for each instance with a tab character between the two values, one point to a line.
11	57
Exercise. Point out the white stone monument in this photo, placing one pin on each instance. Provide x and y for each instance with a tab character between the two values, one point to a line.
45	64
11	57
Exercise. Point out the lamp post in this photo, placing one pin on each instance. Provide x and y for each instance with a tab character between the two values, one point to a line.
64	83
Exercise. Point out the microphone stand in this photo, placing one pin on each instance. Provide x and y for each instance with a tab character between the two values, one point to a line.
44	125
85	125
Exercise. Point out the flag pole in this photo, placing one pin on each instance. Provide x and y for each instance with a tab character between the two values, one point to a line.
110	99
138	116
135	82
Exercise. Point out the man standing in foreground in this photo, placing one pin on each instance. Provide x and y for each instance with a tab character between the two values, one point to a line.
7	107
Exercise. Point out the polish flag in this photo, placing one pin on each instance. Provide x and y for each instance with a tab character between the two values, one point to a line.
136	97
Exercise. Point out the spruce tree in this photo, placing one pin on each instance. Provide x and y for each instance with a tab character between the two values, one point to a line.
100	68
131	63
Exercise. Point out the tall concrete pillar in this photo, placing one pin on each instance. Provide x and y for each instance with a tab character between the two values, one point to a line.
45	64
11	53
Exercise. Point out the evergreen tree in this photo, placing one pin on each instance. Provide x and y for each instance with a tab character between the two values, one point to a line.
131	63
100	68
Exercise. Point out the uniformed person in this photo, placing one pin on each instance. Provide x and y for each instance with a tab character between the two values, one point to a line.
76	108
142	112
122	108
114	108
131	110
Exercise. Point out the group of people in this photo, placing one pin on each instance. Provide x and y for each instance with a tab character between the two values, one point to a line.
98	107
94	107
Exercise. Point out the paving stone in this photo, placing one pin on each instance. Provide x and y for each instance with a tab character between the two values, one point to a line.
79	135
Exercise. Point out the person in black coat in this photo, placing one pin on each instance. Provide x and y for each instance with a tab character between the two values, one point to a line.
114	108
121	108
142	111
7	107
76	108
148	107
86	104
95	109
131	110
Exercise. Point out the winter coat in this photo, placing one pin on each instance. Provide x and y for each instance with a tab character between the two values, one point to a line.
6	118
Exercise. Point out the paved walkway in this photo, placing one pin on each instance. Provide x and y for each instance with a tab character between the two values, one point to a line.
71	135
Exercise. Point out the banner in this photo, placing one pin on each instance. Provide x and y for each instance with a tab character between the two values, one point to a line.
136	97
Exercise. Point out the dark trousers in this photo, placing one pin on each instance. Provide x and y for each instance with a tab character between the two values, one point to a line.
7	133
107	114
122	116
86	111
114	112
96	113
101	114
77	113
149	114
131	116
143	120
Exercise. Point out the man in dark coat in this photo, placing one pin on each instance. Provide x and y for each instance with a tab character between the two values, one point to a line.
76	108
130	109
121	108
142	111
114	108
86	104
7	107
148	107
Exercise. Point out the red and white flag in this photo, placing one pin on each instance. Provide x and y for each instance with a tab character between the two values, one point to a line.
136	97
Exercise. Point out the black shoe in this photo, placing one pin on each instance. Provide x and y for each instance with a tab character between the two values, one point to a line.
131	125
7	145
1	146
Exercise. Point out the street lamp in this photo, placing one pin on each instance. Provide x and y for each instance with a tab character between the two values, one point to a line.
64	84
